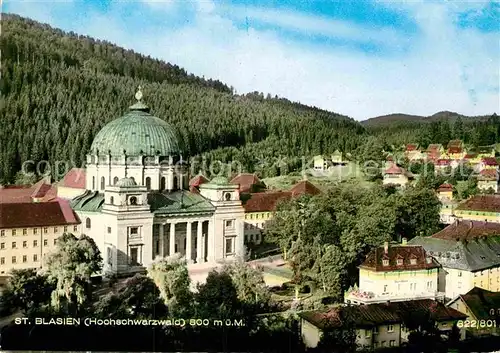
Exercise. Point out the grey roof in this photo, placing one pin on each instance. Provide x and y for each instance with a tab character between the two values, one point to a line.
179	202
468	255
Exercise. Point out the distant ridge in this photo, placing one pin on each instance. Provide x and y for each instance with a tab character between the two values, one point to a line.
405	118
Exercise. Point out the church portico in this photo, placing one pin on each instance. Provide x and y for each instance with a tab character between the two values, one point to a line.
186	237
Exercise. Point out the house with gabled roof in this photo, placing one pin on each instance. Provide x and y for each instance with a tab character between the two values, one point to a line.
396	273
480	208
397	176
482	308
248	183
434	151
469	253
380	325
487	180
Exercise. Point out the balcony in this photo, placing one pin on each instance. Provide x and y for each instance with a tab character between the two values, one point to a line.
355	296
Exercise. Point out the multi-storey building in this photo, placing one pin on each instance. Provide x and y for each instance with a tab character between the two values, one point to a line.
479	208
29	230
396	176
487	180
468	252
377	325
259	208
396	273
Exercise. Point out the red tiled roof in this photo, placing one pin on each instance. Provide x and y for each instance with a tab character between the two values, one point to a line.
75	179
265	201
445	187
246	181
443	162
434	147
465	229
481	203
488	175
198	180
406	252
470	155
305	187
454	144
394	169
455	150
41	190
489	161
380	314
411	147
44	214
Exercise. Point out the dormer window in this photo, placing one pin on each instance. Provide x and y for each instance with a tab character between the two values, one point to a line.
385	262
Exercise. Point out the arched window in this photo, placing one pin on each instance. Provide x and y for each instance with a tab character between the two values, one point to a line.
148	183
93	183
175	183
112	200
87	223
103	183
162	184
133	200
115	180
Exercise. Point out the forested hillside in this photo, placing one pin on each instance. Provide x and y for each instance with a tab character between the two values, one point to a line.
399	129
59	89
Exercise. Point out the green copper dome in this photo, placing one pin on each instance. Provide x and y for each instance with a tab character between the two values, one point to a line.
126	183
219	180
137	132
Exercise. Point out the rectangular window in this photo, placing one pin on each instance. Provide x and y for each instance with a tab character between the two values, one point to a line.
25	231
2	246
2	260
134	231
25	244
229	246
45	242
2	233
35	230
55	229
45	230
392	343
55	241
109	229
65	229
13	232
14	245
35	243
25	258
459	273
385	288
230	223
390	328
75	228
14	259
35	258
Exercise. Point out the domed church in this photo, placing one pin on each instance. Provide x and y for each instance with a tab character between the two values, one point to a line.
137	204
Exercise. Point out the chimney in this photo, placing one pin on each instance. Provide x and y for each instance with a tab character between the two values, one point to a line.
404	241
386	247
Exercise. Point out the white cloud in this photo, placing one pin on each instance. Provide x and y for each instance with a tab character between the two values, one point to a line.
446	69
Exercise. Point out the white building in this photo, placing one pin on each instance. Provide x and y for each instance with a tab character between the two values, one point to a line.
137	205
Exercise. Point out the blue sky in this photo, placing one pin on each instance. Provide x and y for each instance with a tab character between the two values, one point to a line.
359	58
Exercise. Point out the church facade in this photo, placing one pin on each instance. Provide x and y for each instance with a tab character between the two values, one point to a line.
137	204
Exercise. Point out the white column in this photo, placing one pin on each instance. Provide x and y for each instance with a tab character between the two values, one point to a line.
161	235
189	252
211	242
172	239
199	243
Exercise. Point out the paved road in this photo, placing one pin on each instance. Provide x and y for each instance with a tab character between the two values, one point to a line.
6	320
